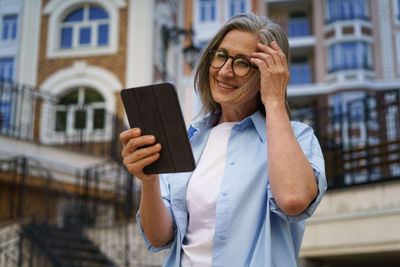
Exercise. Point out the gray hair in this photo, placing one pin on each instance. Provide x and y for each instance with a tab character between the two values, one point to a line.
266	31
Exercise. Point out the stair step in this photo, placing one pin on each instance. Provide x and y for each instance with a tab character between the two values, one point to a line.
57	244
71	248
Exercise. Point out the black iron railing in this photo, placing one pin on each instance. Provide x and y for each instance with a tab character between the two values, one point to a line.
102	195
360	140
30	114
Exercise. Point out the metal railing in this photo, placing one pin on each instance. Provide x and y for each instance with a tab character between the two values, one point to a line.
30	114
103	195
361	140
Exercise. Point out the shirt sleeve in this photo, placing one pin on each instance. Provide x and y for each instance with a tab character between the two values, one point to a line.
165	194
311	148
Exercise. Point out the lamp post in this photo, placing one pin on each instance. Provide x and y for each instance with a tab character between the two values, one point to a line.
173	34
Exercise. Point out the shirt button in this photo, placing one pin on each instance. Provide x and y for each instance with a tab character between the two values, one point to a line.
232	163
222	237
224	194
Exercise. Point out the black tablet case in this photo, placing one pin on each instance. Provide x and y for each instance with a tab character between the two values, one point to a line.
156	111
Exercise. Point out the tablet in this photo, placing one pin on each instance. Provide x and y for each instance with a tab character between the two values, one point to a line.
156	111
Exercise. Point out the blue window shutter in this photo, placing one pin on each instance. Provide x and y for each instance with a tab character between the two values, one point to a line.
7	68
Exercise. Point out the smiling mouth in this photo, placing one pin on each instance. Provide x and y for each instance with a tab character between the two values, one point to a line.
226	86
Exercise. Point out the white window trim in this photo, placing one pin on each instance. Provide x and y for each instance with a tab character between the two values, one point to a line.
79	75
227	6
56	8
9	39
196	12
204	30
396	11
72	109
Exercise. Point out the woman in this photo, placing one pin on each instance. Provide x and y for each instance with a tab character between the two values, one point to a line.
258	174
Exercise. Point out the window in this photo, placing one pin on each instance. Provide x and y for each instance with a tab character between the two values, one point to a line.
300	71
207	10
80	110
346	10
236	7
7	68
350	55
87	26
298	25
9	29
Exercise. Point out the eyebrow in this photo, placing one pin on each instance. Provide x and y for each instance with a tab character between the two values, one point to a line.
237	56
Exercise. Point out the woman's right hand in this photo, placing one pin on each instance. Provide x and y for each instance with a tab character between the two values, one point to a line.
135	156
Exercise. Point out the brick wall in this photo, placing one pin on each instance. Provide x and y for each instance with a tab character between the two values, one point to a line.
115	63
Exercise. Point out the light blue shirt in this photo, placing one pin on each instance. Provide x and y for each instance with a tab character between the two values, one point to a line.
250	229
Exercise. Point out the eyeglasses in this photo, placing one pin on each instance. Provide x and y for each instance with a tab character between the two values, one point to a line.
240	66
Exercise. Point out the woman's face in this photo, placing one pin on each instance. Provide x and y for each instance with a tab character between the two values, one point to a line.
223	82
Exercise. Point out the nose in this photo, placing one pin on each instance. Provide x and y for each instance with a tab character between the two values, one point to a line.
226	69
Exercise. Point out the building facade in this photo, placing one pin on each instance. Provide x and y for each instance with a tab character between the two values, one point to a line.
345	81
63	64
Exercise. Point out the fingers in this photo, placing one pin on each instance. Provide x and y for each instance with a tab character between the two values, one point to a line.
272	56
142	153
125	136
135	143
135	162
139	151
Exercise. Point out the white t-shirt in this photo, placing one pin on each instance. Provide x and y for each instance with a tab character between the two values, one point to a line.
201	198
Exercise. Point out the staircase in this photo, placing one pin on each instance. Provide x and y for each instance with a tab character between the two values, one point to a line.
66	247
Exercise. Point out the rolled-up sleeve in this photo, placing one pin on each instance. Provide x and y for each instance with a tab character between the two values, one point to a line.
311	148
165	194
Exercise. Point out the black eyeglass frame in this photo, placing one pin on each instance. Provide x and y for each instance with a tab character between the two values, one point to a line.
212	53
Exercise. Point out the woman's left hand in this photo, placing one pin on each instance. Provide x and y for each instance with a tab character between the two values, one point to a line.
274	72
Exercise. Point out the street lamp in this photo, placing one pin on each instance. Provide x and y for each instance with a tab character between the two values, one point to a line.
172	34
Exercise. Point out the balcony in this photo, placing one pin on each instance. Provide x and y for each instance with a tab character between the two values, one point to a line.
362	143
346	17
32	116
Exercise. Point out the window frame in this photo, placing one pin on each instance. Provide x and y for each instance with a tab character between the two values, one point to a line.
10	65
210	18
85	24
300	24
12	28
301	68
331	17
336	52
235	3
71	111
57	9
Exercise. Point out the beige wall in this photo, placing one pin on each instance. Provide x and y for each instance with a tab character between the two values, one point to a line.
356	220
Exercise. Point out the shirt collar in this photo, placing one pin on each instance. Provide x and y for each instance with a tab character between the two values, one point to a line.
257	120
206	122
